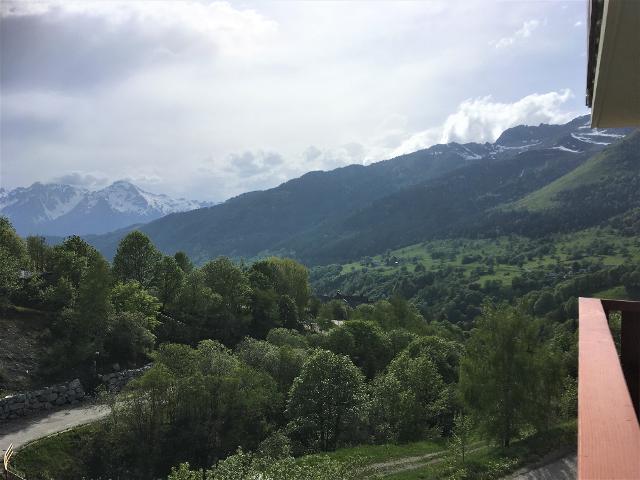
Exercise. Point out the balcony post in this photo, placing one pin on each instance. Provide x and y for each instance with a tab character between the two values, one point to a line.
630	355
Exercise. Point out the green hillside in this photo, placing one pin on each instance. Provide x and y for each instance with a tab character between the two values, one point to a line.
603	168
341	215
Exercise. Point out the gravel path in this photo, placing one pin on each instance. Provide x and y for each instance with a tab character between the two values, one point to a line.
415	462
21	431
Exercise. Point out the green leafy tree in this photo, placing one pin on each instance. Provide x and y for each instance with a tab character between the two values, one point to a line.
545	303
92	306
498	373
184	262
292	279
136	259
129	338
168	281
133	323
10	241
371	350
288	313
340	341
228	280
459	441
282	363
196	405
284	337
199	309
326	402
38	251
408	399
445	355
13	254
248	466
264	311
131	297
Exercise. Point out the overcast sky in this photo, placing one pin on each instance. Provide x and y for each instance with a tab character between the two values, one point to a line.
207	100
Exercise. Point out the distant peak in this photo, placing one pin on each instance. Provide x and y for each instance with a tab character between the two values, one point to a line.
122	183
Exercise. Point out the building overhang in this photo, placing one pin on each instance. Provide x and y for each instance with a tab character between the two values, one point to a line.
613	71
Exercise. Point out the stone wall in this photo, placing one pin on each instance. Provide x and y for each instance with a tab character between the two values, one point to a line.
114	382
28	403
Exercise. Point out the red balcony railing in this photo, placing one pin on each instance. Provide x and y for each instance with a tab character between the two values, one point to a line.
608	392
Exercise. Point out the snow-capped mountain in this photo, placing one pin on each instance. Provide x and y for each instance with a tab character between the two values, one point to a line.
56	209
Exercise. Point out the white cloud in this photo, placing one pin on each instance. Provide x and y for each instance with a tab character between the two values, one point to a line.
525	31
231	31
483	119
81	179
173	94
577	24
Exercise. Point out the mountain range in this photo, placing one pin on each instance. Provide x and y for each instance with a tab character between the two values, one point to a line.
61	210
446	190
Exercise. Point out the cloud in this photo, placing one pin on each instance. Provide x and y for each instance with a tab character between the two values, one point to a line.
483	119
174	94
81	180
525	31
69	45
249	164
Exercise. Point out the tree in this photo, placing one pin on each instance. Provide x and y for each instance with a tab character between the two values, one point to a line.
196	405
198	308
13	256
292	279
249	466
458	446
129	337
340	341
92	306
38	251
286	277
228	281
544	304
168	280
408	399
498	373
445	355
184	262
291	338
326	401
136	259
10	241
131	297
282	363
288	313
371	349
264	311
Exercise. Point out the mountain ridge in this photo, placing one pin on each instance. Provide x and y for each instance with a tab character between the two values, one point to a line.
323	217
61	209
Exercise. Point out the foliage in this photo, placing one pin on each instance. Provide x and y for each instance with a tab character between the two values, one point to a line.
326	402
506	368
13	254
408	399
247	466
136	259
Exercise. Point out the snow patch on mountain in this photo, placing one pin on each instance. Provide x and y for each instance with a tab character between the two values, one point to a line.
57	209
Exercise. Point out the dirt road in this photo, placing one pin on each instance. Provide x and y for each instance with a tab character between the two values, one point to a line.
22	431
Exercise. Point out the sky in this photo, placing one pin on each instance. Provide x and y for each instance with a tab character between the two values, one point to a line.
207	100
